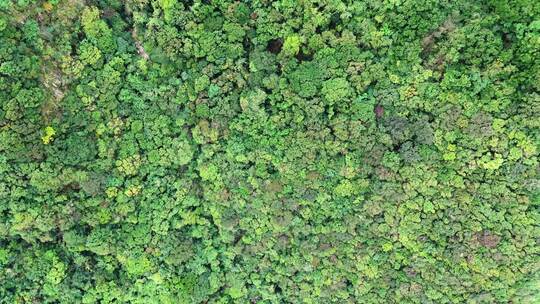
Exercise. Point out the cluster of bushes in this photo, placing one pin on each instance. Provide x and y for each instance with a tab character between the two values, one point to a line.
291	151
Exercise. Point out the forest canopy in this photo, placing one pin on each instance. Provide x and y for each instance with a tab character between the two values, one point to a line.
289	151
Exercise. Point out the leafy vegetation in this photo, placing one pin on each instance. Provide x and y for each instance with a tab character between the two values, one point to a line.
223	151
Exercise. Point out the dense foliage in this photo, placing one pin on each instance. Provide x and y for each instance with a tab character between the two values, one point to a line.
291	151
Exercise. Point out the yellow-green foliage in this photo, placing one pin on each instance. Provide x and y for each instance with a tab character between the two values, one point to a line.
48	136
269	151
